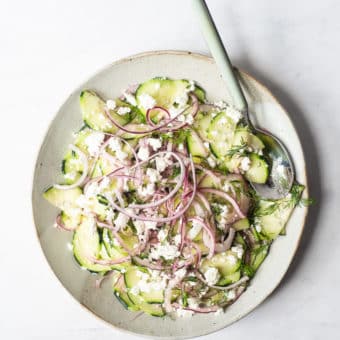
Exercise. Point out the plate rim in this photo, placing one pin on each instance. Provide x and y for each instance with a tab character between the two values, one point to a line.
206	58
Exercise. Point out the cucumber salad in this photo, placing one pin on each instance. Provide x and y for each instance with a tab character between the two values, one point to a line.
155	189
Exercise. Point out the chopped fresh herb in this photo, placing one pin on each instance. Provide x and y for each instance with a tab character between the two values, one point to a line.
185	299
190	278
248	270
102	199
238	149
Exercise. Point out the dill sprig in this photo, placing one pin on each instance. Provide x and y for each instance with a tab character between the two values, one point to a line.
240	149
293	199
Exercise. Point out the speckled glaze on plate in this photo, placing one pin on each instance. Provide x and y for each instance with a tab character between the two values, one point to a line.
109	83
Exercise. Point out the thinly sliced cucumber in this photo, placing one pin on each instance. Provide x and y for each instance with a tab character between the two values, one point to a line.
114	252
272	216
221	133
200	93
72	167
93	109
241	137
132	278
227	263
258	171
62	199
195	145
241	224
255	143
69	220
207	181
80	138
165	92
202	123
228	279
86	246
149	308
258	255
120	291
130	240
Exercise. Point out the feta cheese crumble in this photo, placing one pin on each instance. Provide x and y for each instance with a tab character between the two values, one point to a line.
212	276
211	161
166	250
155	143
234	114
93	142
143	153
145	191
162	234
130	98
258	228
238	249
123	110
153	175
116	146
245	164
162	162
111	104
121	220
146	101
194	230
231	294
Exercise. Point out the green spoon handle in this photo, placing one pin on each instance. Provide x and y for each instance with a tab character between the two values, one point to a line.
219	54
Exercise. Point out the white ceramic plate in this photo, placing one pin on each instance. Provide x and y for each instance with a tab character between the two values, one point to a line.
109	83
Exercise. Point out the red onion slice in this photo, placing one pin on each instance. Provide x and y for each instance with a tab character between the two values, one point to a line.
159	108
221	247
211	243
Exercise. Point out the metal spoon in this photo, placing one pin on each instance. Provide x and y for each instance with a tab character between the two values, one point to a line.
281	176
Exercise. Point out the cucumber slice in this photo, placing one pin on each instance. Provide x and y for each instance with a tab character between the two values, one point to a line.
86	245
229	279
195	145
200	93
120	291
227	263
241	224
221	132
255	143
132	279
114	252
258	171
149	308
72	167
62	199
93	110
272	216
164	91
202	123
241	137
70	220
257	256
209	182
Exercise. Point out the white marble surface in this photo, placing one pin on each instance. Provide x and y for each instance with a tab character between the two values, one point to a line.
48	47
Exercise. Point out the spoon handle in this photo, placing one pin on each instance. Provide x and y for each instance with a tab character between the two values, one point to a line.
219	53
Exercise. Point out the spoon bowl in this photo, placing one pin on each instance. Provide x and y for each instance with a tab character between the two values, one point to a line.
281	174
